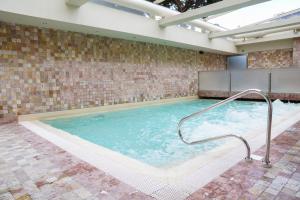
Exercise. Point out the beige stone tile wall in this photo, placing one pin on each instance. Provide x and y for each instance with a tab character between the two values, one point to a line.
278	58
44	70
296	52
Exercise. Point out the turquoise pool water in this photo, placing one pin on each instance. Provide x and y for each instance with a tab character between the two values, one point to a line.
149	133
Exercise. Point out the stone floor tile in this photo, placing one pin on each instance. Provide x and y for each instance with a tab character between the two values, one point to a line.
34	168
288	191
6	196
257	189
272	191
280	182
24	197
266	196
83	193
298	194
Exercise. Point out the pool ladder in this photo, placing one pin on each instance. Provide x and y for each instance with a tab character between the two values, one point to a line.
266	159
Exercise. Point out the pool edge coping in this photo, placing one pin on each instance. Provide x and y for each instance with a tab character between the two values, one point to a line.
100	109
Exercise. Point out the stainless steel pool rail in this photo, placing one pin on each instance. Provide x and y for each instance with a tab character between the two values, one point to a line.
266	159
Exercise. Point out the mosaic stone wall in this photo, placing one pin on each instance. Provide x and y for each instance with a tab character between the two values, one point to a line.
278	58
296	52
44	70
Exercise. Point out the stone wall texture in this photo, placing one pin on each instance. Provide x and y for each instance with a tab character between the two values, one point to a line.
296	52
44	70
278	58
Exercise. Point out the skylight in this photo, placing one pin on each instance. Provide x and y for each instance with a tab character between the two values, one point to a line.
254	14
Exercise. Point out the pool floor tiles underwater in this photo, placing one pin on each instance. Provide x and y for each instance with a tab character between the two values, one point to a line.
33	168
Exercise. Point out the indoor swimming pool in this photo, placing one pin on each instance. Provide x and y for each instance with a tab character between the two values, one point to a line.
149	133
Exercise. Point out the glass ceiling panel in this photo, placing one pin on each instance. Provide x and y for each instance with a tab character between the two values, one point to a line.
254	14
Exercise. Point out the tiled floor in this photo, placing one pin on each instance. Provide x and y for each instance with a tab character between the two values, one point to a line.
33	168
244	181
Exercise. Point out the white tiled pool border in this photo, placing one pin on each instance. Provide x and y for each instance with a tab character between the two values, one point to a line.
179	181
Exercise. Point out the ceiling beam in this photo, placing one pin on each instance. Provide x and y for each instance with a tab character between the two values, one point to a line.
267	32
76	3
125	25
159	1
260	27
215	16
282	36
157	10
268	45
205	11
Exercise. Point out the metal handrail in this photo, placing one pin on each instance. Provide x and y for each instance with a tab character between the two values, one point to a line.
266	159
